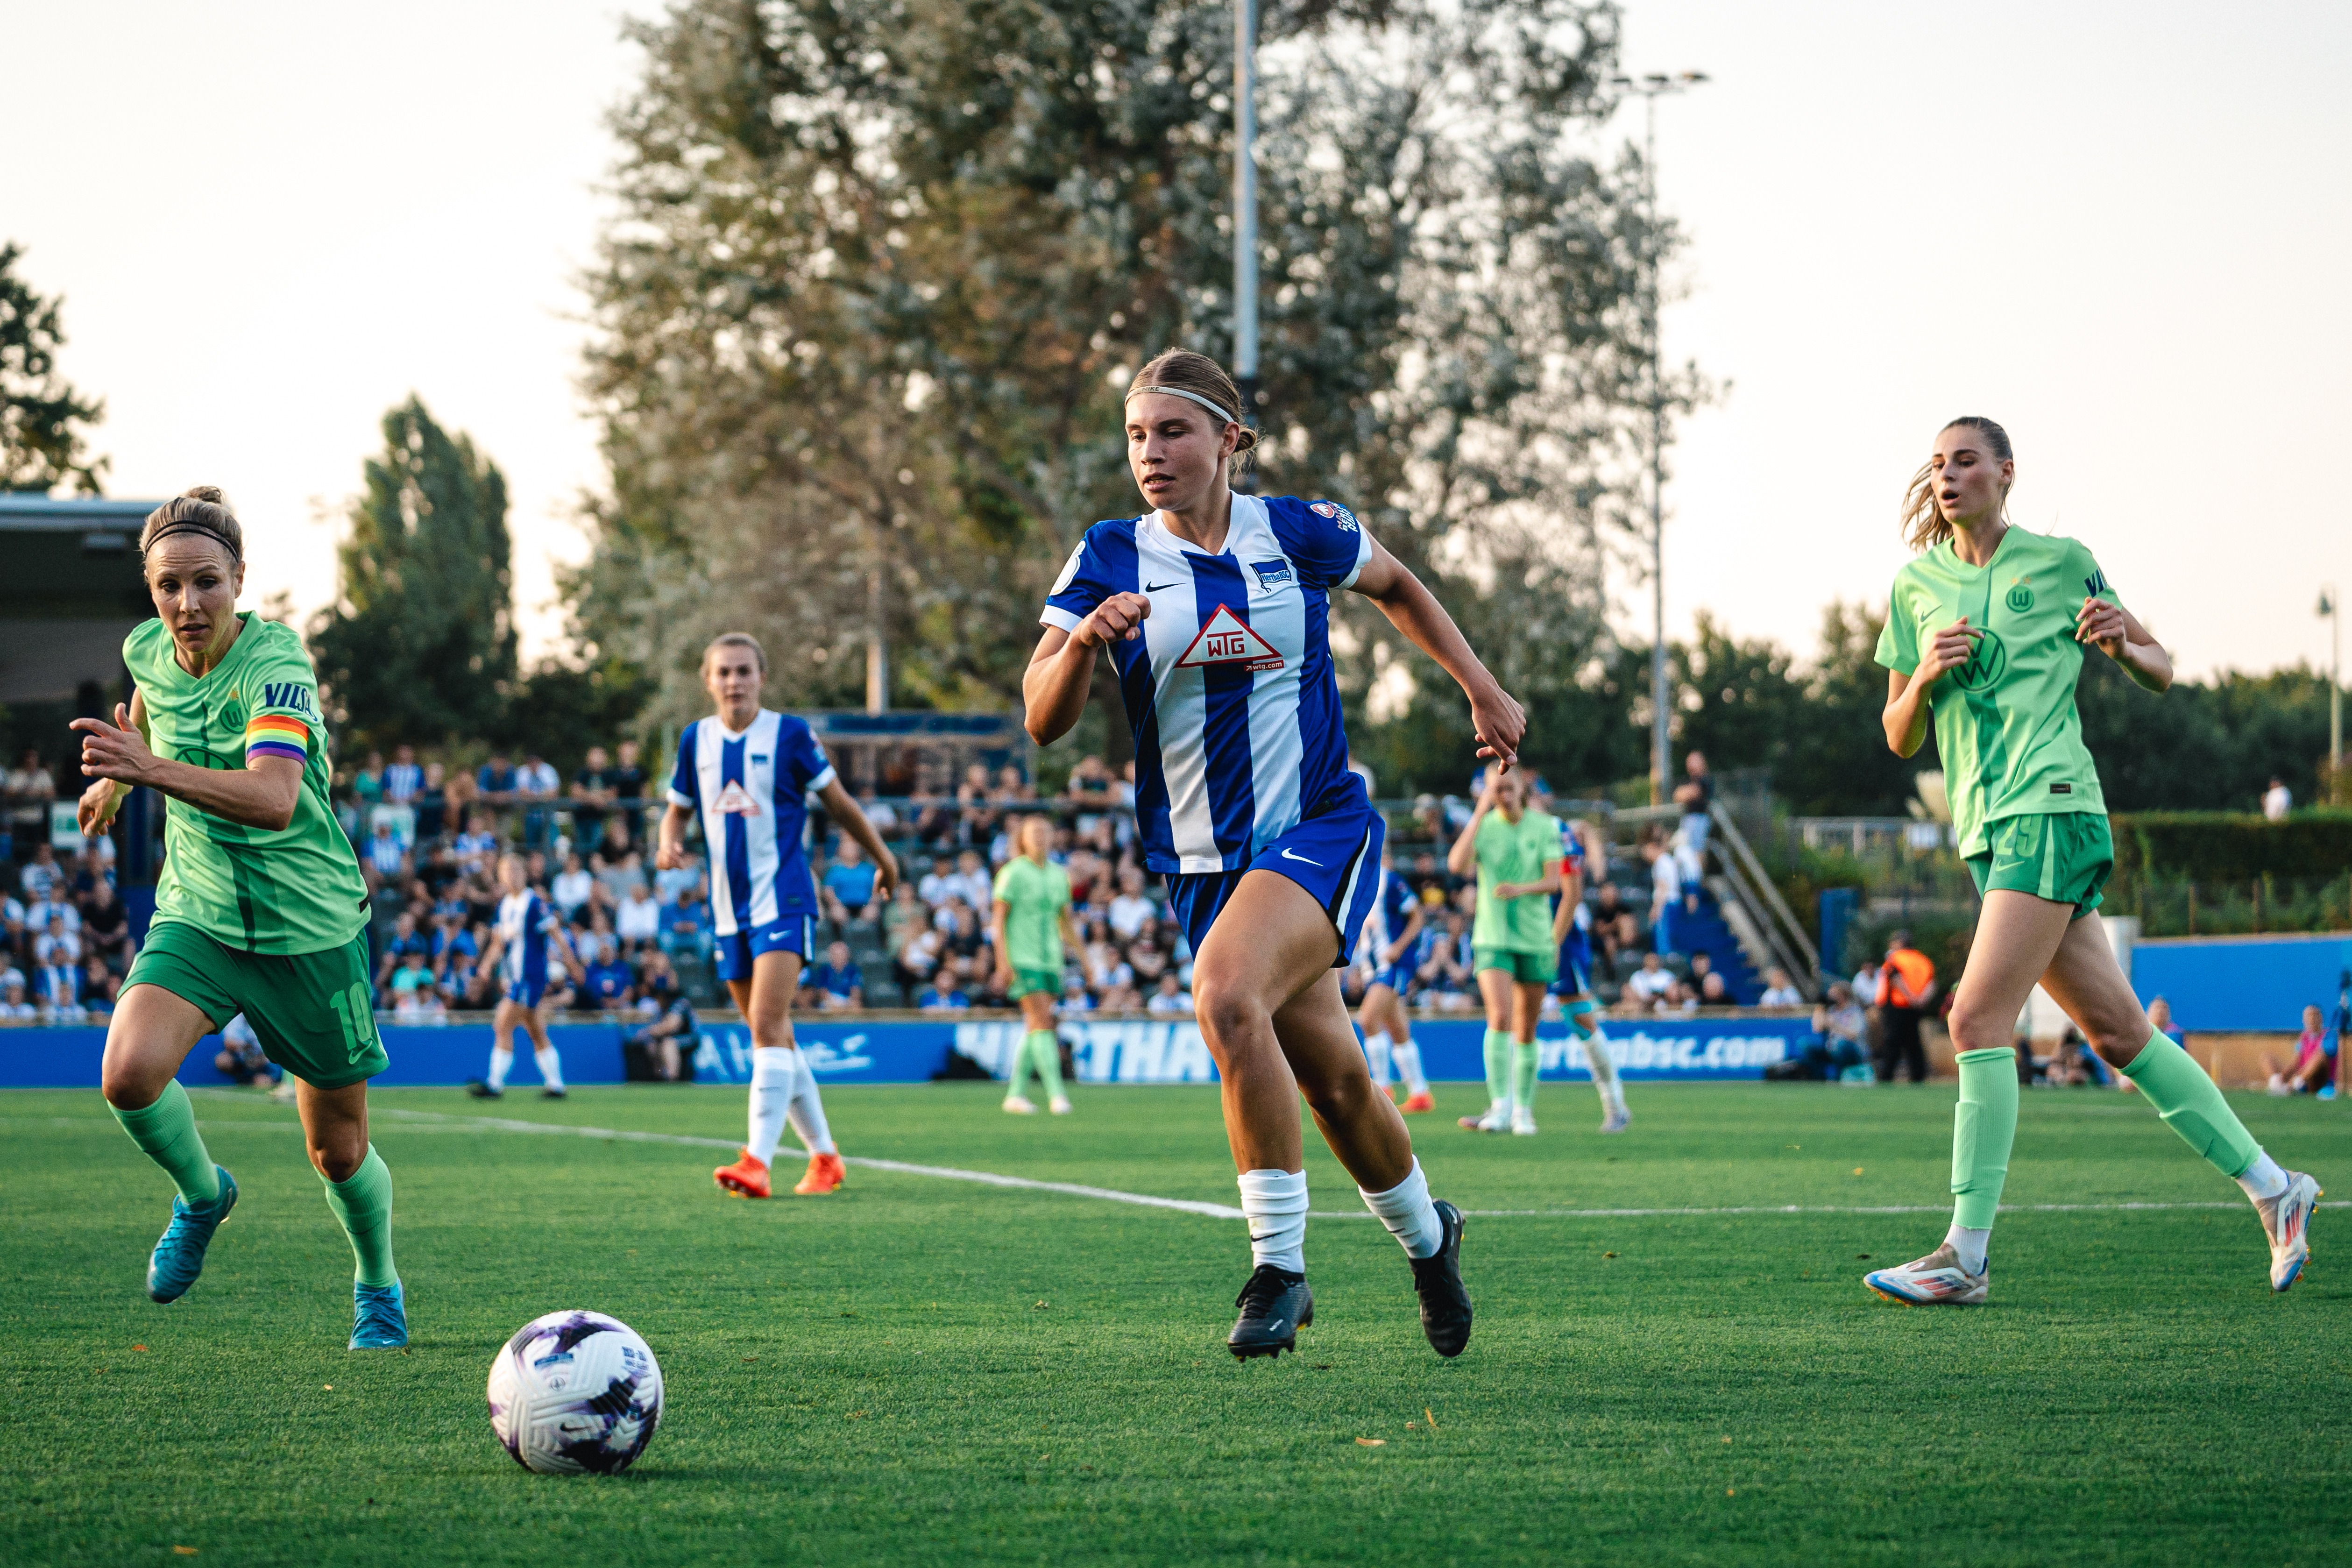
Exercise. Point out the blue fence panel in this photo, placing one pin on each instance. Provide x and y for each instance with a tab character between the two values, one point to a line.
912	1050
2242	982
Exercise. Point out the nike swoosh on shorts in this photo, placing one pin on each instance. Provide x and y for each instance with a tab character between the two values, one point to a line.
1289	855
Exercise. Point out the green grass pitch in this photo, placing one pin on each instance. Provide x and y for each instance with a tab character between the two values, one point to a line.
924	1371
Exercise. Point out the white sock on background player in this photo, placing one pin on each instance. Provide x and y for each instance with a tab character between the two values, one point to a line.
1376	1057
1605	1071
550	1066
1276	1204
1410	1218
501	1062
807	1112
774	1071
1406	1054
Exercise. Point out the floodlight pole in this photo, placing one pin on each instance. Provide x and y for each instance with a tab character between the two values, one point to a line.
2331	605
1245	376
1651	88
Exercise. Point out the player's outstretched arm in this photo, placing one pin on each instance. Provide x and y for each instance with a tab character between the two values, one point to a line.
1062	670
669	839
842	807
259	795
1495	717
2116	633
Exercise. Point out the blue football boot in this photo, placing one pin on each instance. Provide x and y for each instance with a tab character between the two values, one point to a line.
180	1256
379	1317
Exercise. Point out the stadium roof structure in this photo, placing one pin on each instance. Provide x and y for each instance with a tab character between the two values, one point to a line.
71	591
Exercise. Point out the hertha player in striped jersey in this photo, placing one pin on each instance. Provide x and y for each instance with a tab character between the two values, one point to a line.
1214	609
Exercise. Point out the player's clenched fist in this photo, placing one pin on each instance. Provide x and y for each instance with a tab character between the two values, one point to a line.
1953	647
1119	618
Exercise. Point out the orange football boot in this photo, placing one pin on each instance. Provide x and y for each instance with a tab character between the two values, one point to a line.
1424	1100
746	1178
825	1176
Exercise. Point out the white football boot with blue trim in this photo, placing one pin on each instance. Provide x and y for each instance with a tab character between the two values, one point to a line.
1934	1280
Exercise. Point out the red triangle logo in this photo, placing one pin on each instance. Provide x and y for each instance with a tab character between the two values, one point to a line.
1228	640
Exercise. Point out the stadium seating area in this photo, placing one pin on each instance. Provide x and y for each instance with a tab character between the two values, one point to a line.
429	836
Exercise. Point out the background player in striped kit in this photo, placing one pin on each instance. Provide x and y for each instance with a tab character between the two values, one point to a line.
1390	934
527	946
749	772
1572	928
1214	609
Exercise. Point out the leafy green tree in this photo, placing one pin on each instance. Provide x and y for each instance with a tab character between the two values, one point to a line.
879	276
42	445
420	645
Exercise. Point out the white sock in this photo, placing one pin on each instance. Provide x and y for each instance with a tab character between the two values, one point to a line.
1275	1203
1970	1245
1376	1057
807	1112
550	1066
1605	1071
774	1073
2262	1179
1410	1218
1407	1056
502	1059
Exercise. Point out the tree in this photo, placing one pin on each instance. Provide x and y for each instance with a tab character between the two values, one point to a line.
420	645
880	274
41	442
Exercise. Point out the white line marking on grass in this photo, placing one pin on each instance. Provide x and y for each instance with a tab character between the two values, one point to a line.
944	1172
439	1122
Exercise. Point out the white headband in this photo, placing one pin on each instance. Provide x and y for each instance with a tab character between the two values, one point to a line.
1193	397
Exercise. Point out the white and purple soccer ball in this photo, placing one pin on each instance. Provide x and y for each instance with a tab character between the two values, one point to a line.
575	1392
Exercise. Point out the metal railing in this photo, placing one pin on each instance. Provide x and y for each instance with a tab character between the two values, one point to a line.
1761	903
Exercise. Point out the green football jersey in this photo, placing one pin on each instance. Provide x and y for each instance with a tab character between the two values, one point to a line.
1034	897
2006	728
295	890
1521	851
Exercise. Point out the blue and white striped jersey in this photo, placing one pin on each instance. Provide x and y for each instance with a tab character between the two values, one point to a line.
529	930
1230	690
1392	908
752	790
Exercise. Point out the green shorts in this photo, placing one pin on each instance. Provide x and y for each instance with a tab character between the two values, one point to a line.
2064	857
1026	981
313	1012
1524	968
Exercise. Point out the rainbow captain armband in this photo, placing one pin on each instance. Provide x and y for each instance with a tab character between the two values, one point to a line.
276	735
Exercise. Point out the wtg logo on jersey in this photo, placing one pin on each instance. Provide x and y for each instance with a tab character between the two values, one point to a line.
1228	640
1336	512
736	801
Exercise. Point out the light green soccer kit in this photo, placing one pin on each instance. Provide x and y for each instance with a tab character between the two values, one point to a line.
1514	934
270	924
1034	897
2026	805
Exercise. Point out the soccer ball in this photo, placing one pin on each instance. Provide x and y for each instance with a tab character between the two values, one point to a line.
573	1392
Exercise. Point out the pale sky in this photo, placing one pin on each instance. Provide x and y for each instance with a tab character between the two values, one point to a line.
2118	229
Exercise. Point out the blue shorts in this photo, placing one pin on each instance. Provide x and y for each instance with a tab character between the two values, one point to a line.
735	952
1575	967
530	992
1335	856
1397	977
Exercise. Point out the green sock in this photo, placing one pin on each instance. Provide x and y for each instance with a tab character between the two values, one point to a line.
2192	1107
167	1131
363	1201
1984	1125
1045	1049
1016	1071
1498	1066
1524	1059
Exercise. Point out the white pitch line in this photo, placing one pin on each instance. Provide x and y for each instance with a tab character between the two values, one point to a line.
435	1121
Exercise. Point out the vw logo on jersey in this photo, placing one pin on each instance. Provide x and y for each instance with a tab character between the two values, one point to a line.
736	801
2020	598
1985	666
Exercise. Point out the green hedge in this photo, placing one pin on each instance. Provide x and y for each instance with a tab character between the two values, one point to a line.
2225	846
